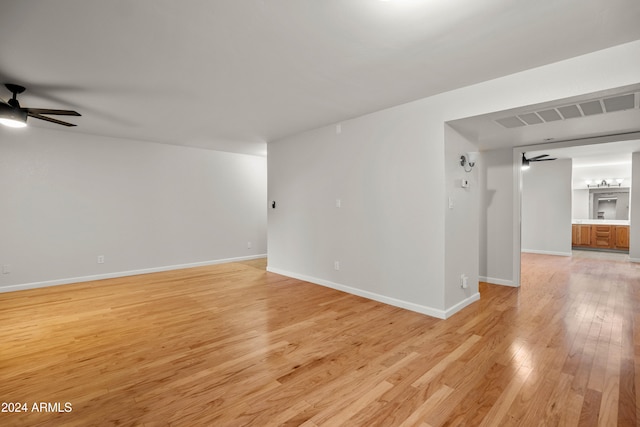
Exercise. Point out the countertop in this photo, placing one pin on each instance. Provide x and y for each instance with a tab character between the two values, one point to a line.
600	221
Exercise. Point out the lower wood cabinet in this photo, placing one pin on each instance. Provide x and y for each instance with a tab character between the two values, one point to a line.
581	235
622	237
600	236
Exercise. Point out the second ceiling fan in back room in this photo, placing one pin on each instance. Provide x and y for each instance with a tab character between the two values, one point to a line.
540	158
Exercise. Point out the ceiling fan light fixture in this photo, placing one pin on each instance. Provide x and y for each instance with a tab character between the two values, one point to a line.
12	123
12	117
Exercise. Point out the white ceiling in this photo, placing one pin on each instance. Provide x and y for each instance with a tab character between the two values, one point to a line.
233	74
596	162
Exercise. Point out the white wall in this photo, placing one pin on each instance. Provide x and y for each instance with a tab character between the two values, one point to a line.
496	217
546	208
634	207
386	231
66	198
461	222
580	204
388	169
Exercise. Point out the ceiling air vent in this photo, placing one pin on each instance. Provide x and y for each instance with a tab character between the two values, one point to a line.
570	111
627	101
511	122
531	118
550	115
619	103
592	107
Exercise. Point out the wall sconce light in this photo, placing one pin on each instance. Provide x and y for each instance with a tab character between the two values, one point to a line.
470	159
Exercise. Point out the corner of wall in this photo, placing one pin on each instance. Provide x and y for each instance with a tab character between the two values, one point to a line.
462	219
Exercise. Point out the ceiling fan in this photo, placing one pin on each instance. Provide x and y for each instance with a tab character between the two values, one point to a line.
14	115
540	158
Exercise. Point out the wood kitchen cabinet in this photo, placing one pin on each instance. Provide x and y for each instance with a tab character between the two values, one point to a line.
600	236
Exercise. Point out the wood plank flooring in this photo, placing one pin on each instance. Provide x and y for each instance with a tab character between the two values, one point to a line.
233	345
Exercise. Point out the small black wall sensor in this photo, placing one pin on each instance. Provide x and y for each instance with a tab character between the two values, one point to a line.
273	204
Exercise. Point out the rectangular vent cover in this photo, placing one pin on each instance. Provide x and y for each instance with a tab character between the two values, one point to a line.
619	103
588	108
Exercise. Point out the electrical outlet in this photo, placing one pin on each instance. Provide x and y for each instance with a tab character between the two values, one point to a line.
248	245
336	265
6	269
100	259
464	281
338	203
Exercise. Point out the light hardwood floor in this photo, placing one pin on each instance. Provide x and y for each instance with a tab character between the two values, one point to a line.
234	345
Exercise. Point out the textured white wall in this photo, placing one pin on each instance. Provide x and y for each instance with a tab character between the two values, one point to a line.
66	198
546	208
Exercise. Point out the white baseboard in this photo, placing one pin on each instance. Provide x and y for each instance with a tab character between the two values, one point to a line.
67	281
423	309
495	281
536	251
634	259
462	304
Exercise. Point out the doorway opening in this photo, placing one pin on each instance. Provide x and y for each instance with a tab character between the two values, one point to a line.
590	120
583	214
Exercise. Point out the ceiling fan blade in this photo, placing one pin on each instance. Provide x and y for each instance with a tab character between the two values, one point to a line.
542	160
53	112
539	157
49	119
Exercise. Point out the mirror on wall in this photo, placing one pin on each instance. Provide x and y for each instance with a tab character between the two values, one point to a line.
602	182
601	203
600	178
609	204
